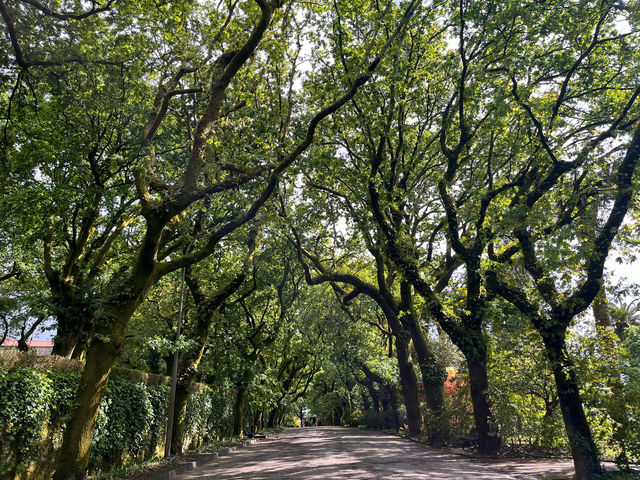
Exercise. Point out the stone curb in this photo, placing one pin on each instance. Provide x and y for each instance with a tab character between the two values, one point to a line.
185	467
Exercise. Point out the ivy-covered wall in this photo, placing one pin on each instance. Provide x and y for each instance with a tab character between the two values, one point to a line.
36	397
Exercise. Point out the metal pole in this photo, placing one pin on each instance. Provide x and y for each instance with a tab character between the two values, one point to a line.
174	370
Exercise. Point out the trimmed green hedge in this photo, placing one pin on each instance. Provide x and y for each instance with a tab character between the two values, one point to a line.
35	405
25	396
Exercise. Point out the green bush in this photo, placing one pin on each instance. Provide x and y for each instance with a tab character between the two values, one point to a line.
25	396
124	421
64	388
35	405
158	395
208	414
197	414
377	420
220	414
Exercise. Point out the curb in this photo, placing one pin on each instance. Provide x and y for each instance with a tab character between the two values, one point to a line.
185	467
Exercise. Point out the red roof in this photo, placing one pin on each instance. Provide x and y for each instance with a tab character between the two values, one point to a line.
32	343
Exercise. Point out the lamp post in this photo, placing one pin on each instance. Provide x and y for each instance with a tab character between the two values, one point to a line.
174	370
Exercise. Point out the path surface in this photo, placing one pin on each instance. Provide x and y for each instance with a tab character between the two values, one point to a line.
350	454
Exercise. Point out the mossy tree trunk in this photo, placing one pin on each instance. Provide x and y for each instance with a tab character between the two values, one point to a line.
409	385
583	448
433	373
488	439
73	321
238	408
107	341
183	388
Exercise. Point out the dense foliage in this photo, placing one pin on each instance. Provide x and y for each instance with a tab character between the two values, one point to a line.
35	405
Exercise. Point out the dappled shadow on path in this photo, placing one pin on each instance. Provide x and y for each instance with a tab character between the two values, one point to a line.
334	452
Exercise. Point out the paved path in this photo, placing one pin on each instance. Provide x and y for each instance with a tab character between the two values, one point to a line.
345	453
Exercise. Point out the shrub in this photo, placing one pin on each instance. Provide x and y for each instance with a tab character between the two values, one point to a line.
35	403
197	414
25	397
124	421
158	395
374	419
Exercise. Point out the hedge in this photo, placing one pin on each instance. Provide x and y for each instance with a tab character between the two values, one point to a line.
35	405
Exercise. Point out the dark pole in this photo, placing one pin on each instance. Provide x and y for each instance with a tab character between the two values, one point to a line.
174	374
174	370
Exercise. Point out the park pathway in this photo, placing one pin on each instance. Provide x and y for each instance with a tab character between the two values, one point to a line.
345	453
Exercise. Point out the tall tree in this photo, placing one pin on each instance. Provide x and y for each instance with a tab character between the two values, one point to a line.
208	310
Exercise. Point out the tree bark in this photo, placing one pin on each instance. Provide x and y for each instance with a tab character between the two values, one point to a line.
433	377
393	403
366	404
409	384
369	382
583	448
70	329
488	439
238	409
81	346
183	387
177	432
374	396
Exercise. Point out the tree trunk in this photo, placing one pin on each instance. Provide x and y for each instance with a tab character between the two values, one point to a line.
488	439
583	448
385	398
180	411
186	376
280	416
393	403
73	457
409	384
69	332
238	409
73	317
474	349
369	384
366	404
433	377
106	343
23	346
80	349
271	422
375	398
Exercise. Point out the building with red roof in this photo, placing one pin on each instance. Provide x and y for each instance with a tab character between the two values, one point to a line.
41	347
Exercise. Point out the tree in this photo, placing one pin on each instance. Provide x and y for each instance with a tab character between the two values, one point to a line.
470	231
546	268
208	309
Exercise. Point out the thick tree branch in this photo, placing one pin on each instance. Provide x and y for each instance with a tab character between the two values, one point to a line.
274	177
583	297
